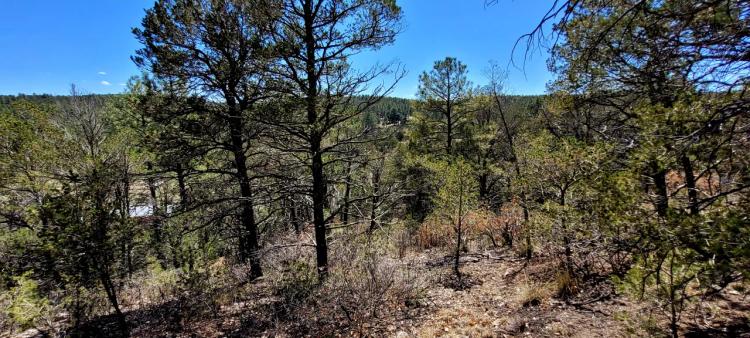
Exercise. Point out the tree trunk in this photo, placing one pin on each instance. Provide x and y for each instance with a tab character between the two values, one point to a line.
293	217
566	237
109	289
129	259
660	183
316	136
459	231
319	196
347	194
249	231
102	255
184	198
155	217
375	199
687	166
449	134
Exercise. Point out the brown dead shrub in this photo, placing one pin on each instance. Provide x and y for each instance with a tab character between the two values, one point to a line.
367	284
530	293
482	227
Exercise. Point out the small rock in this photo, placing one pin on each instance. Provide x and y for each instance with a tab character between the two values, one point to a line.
402	334
31	333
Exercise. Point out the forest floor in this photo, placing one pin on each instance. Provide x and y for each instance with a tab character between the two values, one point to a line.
507	301
506	297
513	298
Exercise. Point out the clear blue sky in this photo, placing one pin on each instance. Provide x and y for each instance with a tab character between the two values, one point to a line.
49	44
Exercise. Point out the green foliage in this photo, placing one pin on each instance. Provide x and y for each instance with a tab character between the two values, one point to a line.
665	277
297	282
444	93
457	192
64	172
456	196
25	305
390	110
630	77
557	173
17	247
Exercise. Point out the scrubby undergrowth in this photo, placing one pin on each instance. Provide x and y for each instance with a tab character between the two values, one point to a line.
381	286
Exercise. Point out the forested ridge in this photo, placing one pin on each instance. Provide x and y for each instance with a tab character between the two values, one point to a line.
388	110
251	182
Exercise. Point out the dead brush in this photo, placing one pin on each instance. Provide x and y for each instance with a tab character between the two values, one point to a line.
566	286
482	227
366	285
433	233
372	285
530	293
552	279
509	221
151	286
291	275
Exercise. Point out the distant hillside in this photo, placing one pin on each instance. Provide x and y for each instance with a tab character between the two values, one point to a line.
394	110
43	99
389	110
38	98
523	105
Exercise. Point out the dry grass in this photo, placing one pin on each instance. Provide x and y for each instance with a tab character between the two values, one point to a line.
376	287
367	288
530	293
482	228
461	322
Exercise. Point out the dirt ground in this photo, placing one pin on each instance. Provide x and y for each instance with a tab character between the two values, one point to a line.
507	297
507	301
512	299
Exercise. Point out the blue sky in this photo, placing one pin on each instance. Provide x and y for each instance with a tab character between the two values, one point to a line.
49	44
